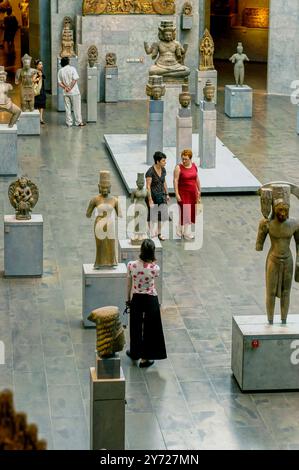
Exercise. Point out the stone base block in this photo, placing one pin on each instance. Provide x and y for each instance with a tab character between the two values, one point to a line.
298	120
154	129
92	94
60	99
108	368
183	135
111	84
29	123
103	287
171	102
201	79
23	246
238	101
207	137
265	357
107	412
8	150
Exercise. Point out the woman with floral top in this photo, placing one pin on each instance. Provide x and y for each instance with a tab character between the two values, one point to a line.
146	333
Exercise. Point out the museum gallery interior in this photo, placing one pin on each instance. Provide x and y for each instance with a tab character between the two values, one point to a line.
150	244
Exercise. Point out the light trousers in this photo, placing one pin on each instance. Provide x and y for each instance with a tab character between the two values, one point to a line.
72	103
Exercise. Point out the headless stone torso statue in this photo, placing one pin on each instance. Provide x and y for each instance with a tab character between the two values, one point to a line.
169	54
238	59
24	77
5	102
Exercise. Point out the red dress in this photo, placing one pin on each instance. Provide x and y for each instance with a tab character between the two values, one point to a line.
188	192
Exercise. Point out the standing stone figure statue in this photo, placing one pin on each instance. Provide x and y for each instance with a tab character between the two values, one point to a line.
92	55
275	203
169	54
206	52
6	103
155	87
110	333
23	196
24	77
67	39
138	198
238	59
104	228
110	59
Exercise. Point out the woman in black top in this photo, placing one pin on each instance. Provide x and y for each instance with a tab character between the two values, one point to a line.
157	194
40	100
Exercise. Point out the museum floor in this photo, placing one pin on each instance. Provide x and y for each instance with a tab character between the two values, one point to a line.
190	400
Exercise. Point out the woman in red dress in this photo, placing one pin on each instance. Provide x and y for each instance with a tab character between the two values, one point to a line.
187	191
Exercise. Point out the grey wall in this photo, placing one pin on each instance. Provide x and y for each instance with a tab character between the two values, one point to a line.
39	35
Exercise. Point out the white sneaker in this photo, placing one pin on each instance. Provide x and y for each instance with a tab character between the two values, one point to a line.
179	231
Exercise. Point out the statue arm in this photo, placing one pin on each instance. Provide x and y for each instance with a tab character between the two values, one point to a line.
117	208
246	58
90	208
153	49
233	59
17	78
262	234
133	196
296	236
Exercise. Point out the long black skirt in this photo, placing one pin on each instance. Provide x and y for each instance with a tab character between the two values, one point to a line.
146	333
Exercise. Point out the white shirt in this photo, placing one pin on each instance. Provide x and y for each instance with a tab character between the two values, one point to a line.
143	277
65	76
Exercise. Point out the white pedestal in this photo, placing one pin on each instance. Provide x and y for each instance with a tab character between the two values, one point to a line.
207	135
154	130
29	123
201	79
60	99
111	84
183	132
92	94
265	357
128	252
298	119
238	101
23	246
103	287
171	100
8	150
107	412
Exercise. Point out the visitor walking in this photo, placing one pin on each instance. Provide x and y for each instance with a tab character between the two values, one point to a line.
68	80
39	82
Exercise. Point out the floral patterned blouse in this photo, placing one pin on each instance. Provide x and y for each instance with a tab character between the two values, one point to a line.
143	277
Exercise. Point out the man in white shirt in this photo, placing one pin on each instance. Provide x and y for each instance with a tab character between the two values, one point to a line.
67	80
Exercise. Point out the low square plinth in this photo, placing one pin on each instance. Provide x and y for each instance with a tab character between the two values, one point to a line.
238	101
101	288
108	367
29	123
265	357
23	246
8	150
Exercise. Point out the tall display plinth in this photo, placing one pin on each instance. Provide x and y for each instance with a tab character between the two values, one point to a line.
107	411
207	135
171	100
298	119
23	246
60	99
111	84
128	252
29	123
202	76
238	101
92	94
155	129
183	132
265	357
8	152
102	287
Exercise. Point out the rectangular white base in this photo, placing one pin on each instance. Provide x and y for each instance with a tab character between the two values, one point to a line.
128	152
103	287
23	246
8	150
265	357
29	123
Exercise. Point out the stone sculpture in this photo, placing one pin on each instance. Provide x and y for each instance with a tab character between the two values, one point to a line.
24	7
106	207
206	52
67	39
23	196
92	55
187	9
128	7
24	77
6	103
110	59
138	198
169	54
238	59
15	433
110	333
155	87
185	97
209	91
275	204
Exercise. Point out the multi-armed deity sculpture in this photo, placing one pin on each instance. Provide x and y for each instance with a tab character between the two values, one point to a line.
67	38
6	103
155	87
238	59
23	196
24	77
169	54
92	55
275	205
104	228
110	59
206	52
138	198
110	333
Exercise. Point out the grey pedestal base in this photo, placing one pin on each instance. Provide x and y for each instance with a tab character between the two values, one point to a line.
60	99
111	84
29	123
8	150
92	94
23	246
298	119
155	129
171	100
238	101
201	79
207	135
128	252
102	287
265	357
183	132
107	412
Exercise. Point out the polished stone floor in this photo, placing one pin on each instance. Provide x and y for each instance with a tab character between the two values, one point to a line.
190	400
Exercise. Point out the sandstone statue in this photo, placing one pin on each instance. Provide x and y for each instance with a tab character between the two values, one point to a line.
206	52
155	87
110	332
138	198
6	103
67	38
24	77
23	196
92	55
238	59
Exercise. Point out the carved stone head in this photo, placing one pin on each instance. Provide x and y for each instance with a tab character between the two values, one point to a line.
26	60
155	87
110	333
240	48
67	22
167	31
104	183
187	9
140	180
209	91
92	55
3	74
110	59
185	97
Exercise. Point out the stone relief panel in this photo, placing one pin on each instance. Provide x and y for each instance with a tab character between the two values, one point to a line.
128	7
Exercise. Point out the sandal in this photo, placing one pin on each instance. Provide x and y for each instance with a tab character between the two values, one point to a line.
161	238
